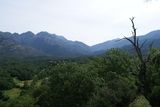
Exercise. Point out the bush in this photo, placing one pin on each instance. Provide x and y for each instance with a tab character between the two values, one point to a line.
140	101
6	81
155	96
70	86
23	101
117	93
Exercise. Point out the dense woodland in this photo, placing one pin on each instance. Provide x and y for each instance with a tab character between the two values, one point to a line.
110	80
115	79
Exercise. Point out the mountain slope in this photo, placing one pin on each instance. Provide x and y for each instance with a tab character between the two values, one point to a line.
29	44
153	36
9	47
42	44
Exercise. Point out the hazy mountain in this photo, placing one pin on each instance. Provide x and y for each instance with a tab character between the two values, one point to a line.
45	44
41	44
153	36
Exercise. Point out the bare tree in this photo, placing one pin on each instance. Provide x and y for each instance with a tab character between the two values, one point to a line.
142	66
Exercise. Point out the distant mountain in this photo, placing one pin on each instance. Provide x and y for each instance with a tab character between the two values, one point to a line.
153	36
41	44
29	44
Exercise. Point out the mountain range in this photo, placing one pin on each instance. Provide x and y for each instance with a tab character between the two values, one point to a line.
29	44
152	37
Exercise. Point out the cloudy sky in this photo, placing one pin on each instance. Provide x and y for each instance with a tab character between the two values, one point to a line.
89	21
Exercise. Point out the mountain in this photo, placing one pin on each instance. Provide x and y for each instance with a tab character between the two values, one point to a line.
153	36
40	44
29	44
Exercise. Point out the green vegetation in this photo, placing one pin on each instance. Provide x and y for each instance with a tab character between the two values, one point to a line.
110	80
140	101
12	93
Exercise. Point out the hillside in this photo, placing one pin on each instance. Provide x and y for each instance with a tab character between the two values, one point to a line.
149	38
40	44
29	44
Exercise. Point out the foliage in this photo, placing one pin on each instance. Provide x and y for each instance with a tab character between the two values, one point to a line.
71	85
110	80
13	93
6	82
22	101
140	101
117	93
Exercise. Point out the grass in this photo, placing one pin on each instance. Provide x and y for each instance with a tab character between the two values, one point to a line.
38	84
20	84
12	93
15	92
140	101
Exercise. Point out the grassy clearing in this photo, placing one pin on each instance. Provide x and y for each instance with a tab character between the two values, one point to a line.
12	93
15	92
20	84
38	84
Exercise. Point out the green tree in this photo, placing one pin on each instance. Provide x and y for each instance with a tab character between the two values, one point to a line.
69	86
6	81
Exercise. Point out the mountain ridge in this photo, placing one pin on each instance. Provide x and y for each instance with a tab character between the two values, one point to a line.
52	45
119	43
49	44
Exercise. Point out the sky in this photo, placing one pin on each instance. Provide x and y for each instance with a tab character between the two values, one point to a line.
88	21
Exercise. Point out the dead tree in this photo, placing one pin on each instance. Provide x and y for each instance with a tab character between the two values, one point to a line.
143	86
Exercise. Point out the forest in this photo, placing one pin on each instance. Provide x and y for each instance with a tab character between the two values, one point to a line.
117	78
110	80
